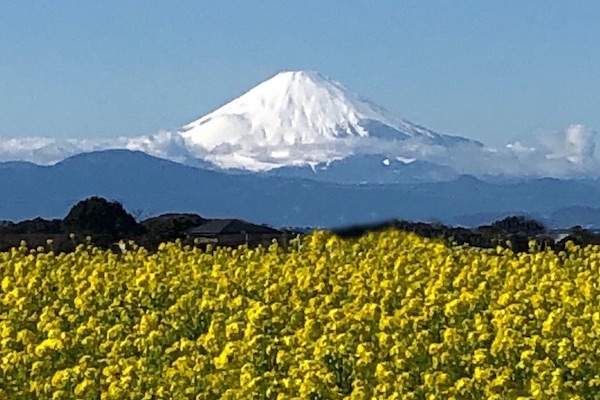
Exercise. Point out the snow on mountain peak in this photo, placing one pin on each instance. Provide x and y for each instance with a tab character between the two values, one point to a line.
290	108
286	120
299	121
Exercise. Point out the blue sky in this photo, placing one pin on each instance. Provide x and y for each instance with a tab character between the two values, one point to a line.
487	70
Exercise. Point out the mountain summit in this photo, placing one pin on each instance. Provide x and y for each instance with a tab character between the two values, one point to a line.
299	118
303	124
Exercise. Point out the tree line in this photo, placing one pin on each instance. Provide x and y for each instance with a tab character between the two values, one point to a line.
106	222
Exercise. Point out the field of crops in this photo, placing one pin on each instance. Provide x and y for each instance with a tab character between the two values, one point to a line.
386	316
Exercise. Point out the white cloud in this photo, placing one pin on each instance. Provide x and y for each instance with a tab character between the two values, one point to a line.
565	153
560	154
168	145
47	151
40	150
518	148
579	144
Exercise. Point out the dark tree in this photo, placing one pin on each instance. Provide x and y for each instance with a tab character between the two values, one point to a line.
171	226
515	225
96	215
32	226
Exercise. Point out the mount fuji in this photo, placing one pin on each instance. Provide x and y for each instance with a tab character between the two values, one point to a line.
303	124
302	150
300	122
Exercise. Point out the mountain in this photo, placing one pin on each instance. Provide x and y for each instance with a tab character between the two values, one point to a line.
584	216
18	165
148	186
297	123
563	217
301	118
303	124
370	168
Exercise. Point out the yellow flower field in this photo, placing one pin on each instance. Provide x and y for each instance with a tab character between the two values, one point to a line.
386	316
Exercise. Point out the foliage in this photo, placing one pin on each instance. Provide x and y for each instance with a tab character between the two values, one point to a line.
516	225
171	226
581	236
386	316
36	225
513	232
96	215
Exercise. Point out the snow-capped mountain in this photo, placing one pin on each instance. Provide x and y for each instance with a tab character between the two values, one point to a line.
300	123
303	118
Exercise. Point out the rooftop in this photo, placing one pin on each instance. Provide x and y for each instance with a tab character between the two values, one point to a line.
230	226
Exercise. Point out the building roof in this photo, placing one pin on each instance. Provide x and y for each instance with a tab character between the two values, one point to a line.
230	226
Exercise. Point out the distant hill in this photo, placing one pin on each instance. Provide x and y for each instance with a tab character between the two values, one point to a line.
152	186
372	169
586	217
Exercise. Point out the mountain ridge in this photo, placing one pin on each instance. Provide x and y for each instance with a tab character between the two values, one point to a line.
266	127
152	185
299	120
